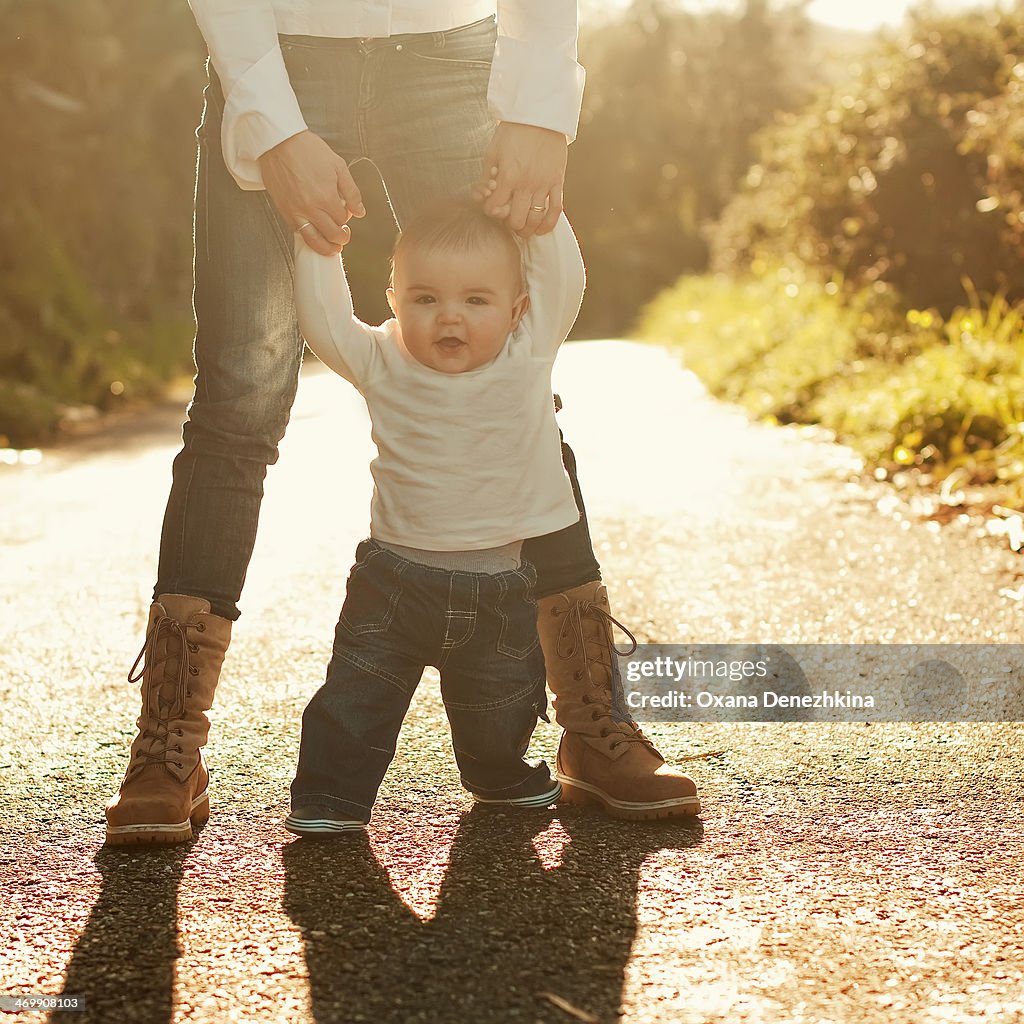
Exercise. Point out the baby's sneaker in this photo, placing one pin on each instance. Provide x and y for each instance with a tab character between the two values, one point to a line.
319	820
538	789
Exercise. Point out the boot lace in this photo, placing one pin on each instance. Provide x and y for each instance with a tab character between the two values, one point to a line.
164	698
572	636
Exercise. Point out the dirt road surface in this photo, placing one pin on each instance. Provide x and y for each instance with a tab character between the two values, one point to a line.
840	873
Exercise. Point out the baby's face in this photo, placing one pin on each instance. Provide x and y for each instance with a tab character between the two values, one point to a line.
456	308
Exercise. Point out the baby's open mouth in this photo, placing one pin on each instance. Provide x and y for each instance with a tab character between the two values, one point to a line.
451	343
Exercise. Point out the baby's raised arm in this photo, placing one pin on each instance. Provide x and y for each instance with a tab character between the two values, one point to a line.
323	304
556	279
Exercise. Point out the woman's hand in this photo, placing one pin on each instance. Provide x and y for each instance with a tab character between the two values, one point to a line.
313	190
524	171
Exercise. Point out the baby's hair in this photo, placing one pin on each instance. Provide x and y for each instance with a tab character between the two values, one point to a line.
457	225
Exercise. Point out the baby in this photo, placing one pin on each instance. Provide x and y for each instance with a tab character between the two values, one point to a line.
458	386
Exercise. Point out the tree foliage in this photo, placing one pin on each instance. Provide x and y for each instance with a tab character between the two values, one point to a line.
673	101
95	233
908	177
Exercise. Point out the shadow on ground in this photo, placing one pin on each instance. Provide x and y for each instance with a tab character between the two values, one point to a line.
522	929
506	936
123	963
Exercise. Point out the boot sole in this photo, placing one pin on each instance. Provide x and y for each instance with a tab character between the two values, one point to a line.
582	794
159	834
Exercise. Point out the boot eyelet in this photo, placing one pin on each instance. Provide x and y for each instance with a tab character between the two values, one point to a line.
178	749
201	627
193	670
594	716
194	648
179	764
188	693
577	674
604	733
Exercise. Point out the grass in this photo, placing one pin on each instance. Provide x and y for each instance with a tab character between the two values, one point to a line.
906	389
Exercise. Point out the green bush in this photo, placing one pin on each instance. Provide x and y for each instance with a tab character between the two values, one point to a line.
95	246
886	180
958	404
768	343
996	131
904	390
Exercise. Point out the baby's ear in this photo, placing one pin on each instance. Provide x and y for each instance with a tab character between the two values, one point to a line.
519	308
390	293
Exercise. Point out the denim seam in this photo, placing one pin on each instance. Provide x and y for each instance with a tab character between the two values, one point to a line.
360	562
498	607
505	702
448	645
454	62
503	646
179	557
374	628
275	223
373	670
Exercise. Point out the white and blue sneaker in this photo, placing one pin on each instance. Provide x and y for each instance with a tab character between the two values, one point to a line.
319	820
545	799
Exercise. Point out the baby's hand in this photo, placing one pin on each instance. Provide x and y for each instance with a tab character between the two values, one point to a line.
485	187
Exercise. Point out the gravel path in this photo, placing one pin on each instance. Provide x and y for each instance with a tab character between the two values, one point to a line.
840	873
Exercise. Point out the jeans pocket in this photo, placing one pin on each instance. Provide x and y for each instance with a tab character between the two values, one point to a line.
469	46
517	614
371	596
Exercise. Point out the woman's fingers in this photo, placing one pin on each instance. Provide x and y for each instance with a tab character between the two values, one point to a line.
325	236
348	191
554	211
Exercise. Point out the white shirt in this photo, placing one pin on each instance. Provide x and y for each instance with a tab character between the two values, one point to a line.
535	78
465	460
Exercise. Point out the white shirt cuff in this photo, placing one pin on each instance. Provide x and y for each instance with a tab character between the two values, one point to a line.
529	88
259	112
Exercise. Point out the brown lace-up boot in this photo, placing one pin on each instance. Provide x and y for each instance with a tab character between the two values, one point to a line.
600	760
165	790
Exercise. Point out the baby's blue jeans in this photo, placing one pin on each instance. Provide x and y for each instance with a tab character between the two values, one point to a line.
478	629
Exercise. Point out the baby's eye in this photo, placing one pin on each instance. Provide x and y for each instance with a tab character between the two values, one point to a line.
423	300
477	300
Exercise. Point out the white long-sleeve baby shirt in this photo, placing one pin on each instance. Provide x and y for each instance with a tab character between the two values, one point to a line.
468	460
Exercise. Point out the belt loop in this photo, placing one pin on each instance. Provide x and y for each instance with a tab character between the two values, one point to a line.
438	40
